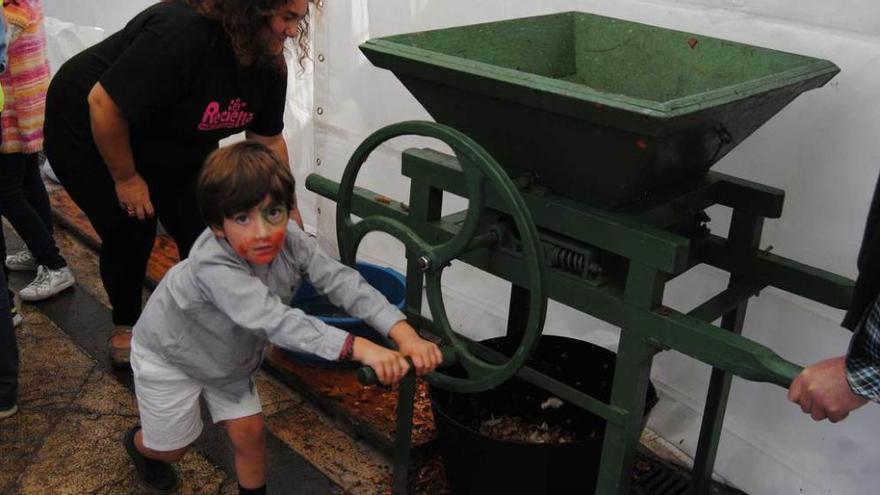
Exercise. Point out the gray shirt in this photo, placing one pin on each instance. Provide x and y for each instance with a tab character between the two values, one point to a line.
213	313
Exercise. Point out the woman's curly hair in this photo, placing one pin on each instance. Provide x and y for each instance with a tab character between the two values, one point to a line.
244	22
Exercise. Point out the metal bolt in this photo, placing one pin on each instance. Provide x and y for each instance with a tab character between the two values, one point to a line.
320	57
424	263
319	211
320	110
318	162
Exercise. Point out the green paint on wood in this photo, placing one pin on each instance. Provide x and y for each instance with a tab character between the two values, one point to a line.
599	110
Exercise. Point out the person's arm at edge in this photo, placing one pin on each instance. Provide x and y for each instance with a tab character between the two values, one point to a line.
110	130
823	391
4	29
834	387
18	17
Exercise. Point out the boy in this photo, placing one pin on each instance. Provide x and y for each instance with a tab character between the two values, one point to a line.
204	329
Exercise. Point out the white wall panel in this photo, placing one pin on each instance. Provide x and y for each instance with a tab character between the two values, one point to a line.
110	15
856	15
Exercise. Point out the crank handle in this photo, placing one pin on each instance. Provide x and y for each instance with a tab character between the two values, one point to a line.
367	376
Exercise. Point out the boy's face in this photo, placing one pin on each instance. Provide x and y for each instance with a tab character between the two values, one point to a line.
257	235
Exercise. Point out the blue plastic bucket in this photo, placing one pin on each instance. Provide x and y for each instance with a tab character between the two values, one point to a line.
387	281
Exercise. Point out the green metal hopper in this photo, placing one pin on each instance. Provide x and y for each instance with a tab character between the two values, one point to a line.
612	113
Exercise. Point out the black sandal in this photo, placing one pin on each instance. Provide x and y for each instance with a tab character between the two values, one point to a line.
157	476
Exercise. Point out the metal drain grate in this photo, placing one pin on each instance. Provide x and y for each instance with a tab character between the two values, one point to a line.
653	476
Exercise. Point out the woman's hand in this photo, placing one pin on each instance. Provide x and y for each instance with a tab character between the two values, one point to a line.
390	366
110	130
134	197
425	355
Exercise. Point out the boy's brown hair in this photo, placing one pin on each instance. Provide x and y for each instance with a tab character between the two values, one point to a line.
238	177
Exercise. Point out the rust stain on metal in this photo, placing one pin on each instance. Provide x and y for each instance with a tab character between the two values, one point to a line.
692	42
385	200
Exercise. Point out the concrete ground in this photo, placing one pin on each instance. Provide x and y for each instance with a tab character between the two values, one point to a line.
75	408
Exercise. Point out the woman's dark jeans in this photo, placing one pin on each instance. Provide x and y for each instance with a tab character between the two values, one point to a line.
25	203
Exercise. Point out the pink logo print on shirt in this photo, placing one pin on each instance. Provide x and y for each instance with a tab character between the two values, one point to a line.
233	117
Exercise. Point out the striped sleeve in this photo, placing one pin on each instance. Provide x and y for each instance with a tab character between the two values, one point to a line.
863	357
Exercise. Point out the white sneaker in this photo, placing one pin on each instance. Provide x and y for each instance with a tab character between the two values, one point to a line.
17	319
22	260
47	283
8	411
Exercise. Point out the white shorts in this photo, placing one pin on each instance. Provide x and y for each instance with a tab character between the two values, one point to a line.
168	401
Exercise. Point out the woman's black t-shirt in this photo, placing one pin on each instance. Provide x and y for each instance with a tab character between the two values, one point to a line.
175	77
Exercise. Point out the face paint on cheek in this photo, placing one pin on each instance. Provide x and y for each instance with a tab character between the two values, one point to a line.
276	240
243	249
258	252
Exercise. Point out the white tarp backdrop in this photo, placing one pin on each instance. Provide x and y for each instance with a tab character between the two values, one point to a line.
820	149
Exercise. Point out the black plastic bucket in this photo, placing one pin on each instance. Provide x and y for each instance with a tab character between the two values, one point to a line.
477	463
